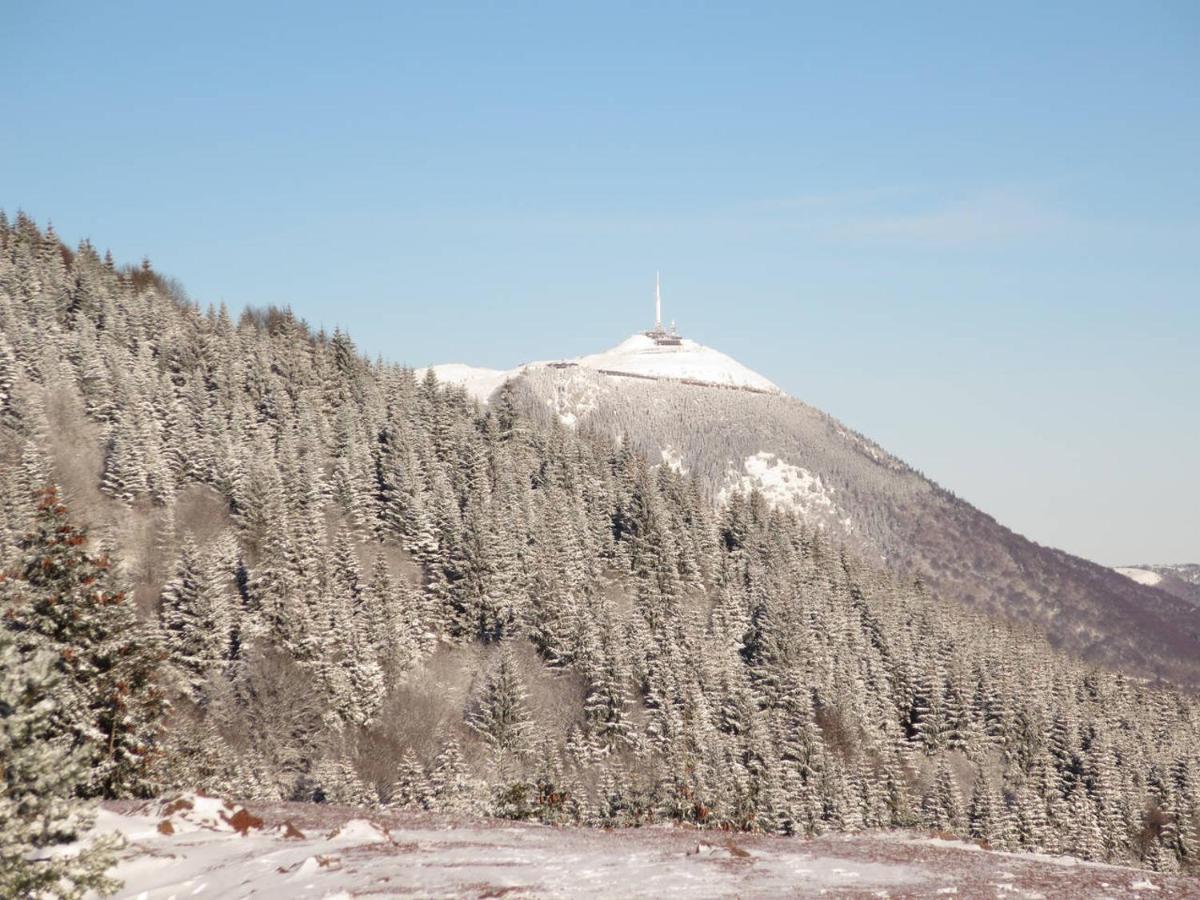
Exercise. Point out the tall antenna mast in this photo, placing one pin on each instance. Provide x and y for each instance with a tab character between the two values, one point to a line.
657	303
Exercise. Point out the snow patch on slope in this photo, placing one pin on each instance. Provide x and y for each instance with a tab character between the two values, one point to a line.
572	398
471	858
673	459
478	382
358	832
785	485
1141	576
192	811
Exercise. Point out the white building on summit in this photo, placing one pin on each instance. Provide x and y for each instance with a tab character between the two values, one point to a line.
660	354
658	334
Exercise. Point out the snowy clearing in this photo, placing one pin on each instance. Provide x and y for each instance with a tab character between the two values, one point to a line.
199	847
479	383
1141	576
785	485
672	458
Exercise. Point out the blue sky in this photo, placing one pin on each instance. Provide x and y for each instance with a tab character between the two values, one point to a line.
972	234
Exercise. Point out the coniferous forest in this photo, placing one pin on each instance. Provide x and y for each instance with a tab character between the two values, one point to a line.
241	558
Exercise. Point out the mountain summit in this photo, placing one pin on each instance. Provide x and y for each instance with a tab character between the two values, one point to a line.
642	356
660	354
638	356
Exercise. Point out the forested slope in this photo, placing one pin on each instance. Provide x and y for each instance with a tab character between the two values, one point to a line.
369	590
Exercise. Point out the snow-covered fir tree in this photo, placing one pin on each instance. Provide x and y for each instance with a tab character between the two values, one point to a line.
499	715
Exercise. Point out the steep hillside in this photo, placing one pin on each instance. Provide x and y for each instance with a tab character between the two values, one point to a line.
852	489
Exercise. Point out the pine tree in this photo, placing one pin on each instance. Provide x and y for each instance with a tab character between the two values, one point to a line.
500	715
605	707
124	476
381	621
366	683
450	787
984	813
1083	833
411	788
942	807
807	700
10	407
335	781
198	617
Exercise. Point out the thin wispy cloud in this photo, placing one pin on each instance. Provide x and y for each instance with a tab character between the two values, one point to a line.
995	216
896	215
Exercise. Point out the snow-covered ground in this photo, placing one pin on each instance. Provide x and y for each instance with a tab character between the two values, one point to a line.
477	382
204	848
1141	576
689	361
638	355
673	459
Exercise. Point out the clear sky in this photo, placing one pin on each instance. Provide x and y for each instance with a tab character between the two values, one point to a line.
972	234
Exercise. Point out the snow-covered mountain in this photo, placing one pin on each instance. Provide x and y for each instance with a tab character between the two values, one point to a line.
673	404
353	588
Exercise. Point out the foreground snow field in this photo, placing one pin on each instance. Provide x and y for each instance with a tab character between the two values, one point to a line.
199	847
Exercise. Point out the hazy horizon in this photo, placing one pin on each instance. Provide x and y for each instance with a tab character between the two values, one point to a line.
971	235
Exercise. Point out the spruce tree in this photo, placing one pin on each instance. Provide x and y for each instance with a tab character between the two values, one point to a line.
198	617
411	788
807	700
943	803
450	788
500	715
